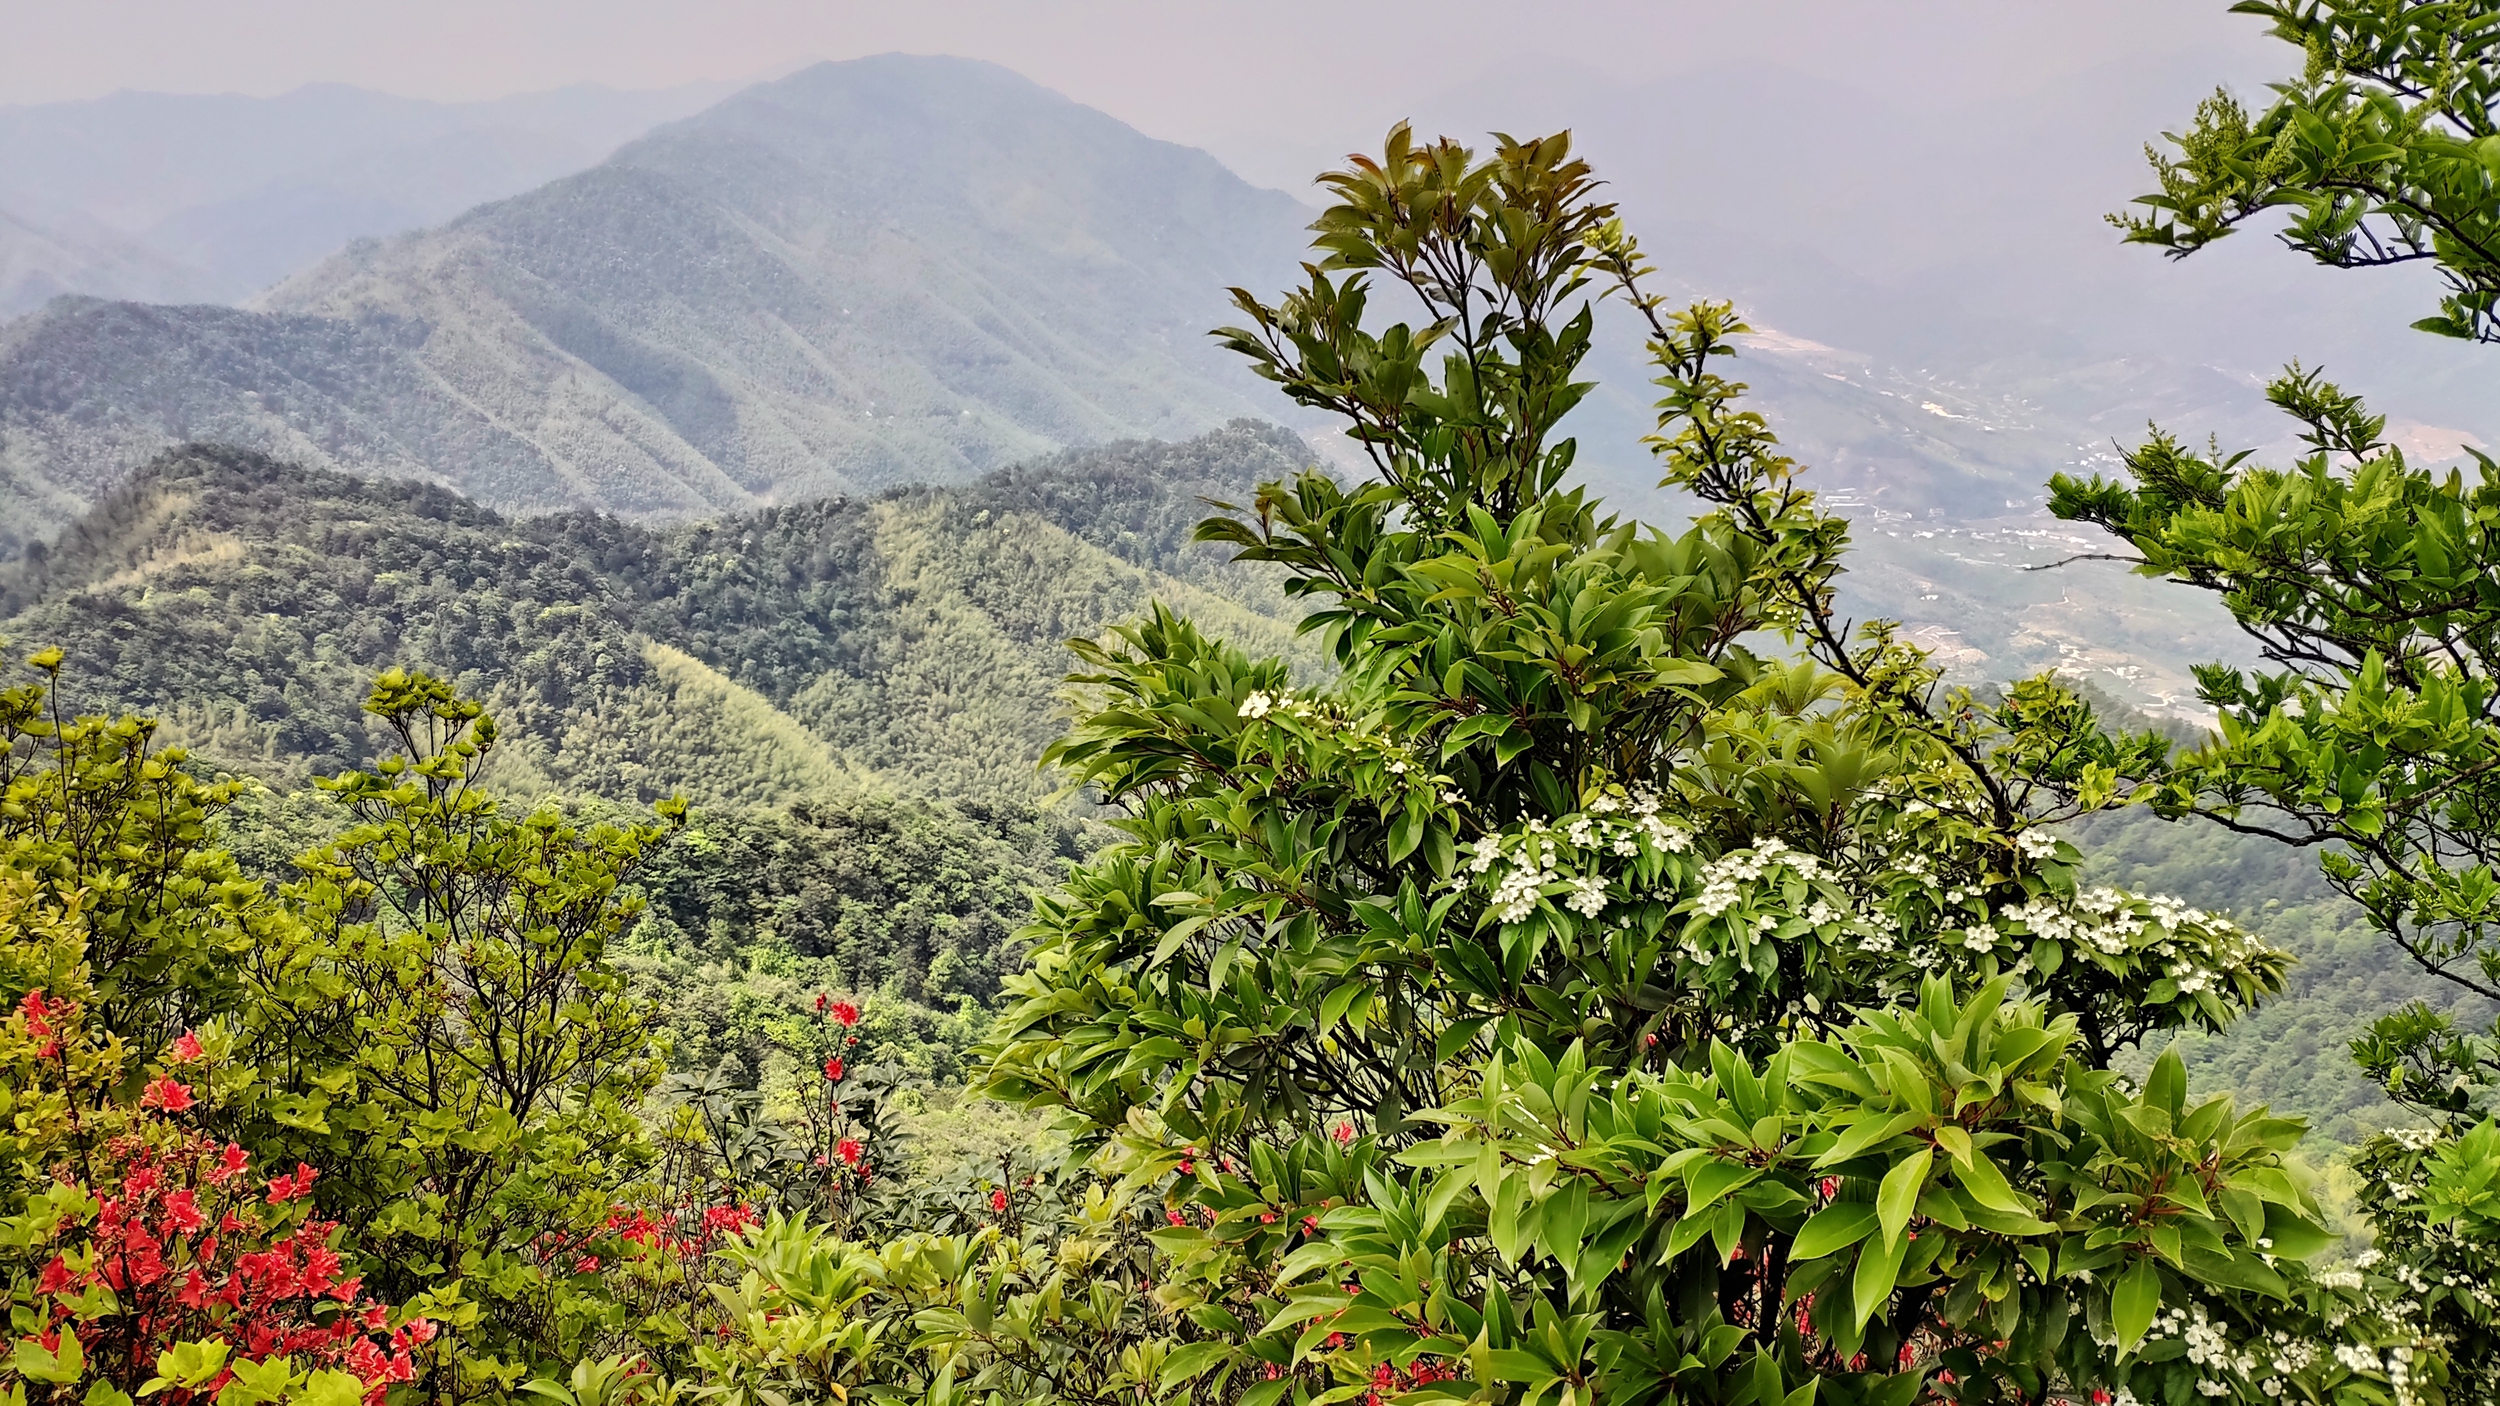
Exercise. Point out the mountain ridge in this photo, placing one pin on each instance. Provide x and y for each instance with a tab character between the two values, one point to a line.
874	272
909	642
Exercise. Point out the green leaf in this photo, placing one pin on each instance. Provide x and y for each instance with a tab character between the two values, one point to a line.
2133	1302
60	1366
1190	1361
1986	1183
1711	1178
1879	1268
2166	1087
191	1366
1173	937
1897	1199
1832	1229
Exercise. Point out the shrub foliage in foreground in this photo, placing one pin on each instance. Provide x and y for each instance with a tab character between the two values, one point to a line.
1575	1002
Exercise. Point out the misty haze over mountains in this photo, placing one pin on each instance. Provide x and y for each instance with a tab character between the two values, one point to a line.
867	273
181	198
903	269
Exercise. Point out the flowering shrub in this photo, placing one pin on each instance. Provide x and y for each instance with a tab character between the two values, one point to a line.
167	1236
1634	1016
841	1118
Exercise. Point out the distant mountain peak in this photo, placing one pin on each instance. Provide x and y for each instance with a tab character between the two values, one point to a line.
877	271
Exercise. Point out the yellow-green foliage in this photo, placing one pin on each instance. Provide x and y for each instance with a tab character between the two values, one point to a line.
977	628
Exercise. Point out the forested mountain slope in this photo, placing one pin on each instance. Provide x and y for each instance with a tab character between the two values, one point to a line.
907	642
887	270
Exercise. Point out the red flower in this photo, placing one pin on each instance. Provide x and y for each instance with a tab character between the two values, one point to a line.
849	1150
186	1047
998	1202
1174	1217
166	1094
1344	1133
1187	1166
833	1069
587	1264
845	1014
822	1001
283	1189
229	1165
182	1212
34	1009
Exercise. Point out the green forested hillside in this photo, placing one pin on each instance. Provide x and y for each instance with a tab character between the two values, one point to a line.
853	691
2292	1051
914	635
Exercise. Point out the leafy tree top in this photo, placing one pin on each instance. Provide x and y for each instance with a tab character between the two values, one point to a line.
2384	150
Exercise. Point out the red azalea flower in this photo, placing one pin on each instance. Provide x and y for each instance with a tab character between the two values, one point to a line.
1345	1134
587	1264
182	1212
186	1047
166	1094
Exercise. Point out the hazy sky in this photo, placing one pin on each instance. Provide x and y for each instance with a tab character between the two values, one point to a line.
1266	83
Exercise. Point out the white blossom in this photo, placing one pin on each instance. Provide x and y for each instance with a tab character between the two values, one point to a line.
1587	897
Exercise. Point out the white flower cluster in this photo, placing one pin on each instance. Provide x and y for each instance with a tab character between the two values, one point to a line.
1723	879
2036	844
2286	1356
1398	759
2191	942
1539	855
2096	921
